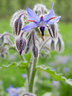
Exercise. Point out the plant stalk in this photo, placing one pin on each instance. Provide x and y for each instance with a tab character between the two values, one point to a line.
32	75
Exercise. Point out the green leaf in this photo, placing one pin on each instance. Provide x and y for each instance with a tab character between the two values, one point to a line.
21	65
54	75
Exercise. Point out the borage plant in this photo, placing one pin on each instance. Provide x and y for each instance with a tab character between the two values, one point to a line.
36	31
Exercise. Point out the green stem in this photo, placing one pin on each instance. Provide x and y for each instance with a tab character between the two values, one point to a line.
29	68
32	75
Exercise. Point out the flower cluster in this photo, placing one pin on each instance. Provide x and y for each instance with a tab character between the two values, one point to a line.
37	30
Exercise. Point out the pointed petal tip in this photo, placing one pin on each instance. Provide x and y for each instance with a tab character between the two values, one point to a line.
52	5
23	29
27	8
32	15
59	16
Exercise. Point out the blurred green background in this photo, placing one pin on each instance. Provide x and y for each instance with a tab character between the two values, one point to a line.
44	84
62	7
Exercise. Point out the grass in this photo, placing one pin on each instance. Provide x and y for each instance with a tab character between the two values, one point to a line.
13	75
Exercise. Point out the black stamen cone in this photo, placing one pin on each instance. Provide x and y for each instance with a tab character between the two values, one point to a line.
42	30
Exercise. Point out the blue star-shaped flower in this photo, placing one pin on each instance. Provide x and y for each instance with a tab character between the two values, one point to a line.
40	22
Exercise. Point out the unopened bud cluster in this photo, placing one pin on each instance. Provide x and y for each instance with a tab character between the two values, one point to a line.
57	44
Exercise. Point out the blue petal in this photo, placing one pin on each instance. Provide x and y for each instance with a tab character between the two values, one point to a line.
54	20
50	15
32	15
29	26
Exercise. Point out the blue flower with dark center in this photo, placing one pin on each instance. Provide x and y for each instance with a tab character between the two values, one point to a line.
40	22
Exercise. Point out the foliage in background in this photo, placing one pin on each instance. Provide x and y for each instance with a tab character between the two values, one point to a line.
62	7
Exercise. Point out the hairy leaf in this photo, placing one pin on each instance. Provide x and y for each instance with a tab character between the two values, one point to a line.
21	65
53	74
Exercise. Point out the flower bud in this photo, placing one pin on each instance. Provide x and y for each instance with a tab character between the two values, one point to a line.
20	43
18	26
52	46
54	31
27	50
60	44
35	51
16	15
28	44
50	32
17	21
40	9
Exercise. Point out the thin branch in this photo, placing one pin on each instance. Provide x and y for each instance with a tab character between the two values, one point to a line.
8	35
13	47
42	44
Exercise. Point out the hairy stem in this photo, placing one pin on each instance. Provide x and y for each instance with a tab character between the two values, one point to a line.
22	57
32	75
29	69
